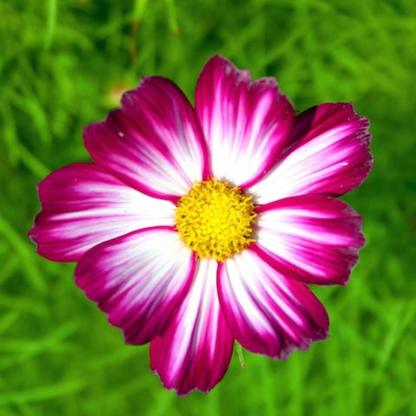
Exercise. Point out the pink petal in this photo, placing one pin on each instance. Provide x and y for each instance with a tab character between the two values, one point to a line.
313	238
266	312
139	280
83	205
153	142
195	351
328	152
245	122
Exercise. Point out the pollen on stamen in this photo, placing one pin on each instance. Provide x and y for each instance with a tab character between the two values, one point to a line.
215	219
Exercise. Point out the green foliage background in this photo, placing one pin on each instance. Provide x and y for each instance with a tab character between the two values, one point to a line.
61	66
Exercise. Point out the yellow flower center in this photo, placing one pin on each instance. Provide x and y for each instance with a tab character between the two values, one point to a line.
215	219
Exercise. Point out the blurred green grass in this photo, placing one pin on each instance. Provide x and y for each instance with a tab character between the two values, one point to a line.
62	62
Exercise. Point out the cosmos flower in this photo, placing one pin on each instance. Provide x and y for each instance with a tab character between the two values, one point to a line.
195	227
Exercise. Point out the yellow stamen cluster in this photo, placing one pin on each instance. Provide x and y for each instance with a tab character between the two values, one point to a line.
215	219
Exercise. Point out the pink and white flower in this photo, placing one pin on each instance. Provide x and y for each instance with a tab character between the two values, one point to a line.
195	227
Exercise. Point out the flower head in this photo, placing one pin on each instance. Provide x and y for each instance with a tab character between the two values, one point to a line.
194	227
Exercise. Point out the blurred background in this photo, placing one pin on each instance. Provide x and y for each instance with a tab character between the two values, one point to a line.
64	64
